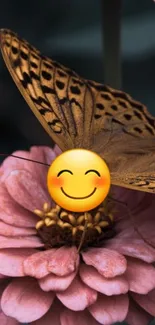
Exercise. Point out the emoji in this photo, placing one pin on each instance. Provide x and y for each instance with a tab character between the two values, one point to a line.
78	180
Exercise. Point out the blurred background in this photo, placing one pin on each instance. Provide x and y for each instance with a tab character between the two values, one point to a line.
83	35
72	32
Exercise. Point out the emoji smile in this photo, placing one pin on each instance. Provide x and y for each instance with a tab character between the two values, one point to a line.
79	198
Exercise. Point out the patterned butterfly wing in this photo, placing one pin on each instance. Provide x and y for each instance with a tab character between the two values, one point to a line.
125	138
79	113
56	94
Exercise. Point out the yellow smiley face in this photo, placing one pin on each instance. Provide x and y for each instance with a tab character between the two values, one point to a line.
78	180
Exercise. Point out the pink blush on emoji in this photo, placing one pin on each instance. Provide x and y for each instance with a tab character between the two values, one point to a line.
99	182
57	182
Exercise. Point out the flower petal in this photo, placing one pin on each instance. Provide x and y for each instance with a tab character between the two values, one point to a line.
108	263
56	283
41	154
136	315
64	261
26	190
57	150
140	275
11	261
48	154
12	231
135	235
25	301
147	302
69	317
108	310
12	213
5	320
2	276
78	296
36	265
12	163
61	262
96	281
52	317
126	195
29	241
131	246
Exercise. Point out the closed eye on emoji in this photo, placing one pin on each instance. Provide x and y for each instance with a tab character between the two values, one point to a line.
64	171
93	171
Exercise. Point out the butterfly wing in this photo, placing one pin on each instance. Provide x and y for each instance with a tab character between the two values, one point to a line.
79	113
56	94
125	138
136	169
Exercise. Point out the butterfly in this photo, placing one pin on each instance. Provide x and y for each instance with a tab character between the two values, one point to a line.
79	113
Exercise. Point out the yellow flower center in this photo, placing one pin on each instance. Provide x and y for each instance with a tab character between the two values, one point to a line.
59	227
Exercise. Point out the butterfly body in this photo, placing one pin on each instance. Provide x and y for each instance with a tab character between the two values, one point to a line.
79	113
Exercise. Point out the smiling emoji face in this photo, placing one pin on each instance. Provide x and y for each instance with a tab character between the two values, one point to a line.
78	180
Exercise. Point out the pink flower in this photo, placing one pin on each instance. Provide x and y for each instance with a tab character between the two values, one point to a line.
59	286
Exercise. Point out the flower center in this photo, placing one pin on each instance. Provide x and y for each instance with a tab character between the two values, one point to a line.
59	227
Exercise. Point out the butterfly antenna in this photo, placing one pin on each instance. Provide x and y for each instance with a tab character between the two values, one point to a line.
35	161
84	231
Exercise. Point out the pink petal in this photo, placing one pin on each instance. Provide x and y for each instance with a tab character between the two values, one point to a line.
13	213
133	198
147	302
25	301
137	315
64	261
52	317
56	283
131	221
12	163
2	276
26	190
29	241
41	154
12	231
145	222
108	263
135	235
57	150
36	265
134	247
78	296
69	317
5	320
108	310
96	281
11	261
38	171
61	262
48	153
140	275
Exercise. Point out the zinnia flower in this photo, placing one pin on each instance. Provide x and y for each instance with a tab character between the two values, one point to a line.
45	281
